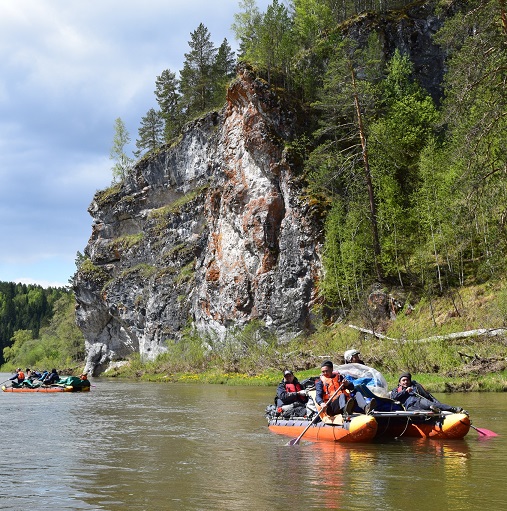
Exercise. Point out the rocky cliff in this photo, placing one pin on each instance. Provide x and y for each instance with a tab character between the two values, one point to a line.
214	231
211	232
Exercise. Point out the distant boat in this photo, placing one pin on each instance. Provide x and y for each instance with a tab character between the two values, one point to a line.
68	384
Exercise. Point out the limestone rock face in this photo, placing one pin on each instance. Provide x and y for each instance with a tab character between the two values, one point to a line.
211	232
214	231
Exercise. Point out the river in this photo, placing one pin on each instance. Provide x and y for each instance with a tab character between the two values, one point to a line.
189	447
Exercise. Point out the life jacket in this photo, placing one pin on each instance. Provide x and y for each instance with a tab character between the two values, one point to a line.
21	376
331	385
291	387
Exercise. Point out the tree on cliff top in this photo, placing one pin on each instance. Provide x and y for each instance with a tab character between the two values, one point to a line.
151	132
196	77
123	163
168	99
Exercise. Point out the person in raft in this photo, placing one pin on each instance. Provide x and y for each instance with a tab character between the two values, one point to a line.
84	380
327	384
413	396
289	393
352	357
19	377
51	378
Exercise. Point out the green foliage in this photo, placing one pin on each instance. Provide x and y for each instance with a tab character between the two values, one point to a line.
475	111
93	273
186	273
26	308
397	138
313	19
196	77
128	240
188	354
108	194
144	270
246	27
223	71
61	344
168	100
246	349
275	47
123	163
347	266
151	133
177	205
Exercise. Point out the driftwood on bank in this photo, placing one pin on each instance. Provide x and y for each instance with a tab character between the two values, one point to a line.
488	332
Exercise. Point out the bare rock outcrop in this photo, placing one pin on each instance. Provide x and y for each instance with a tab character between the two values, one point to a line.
211	232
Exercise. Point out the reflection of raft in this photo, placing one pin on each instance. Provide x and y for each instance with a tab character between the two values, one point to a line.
69	384
422	424
360	428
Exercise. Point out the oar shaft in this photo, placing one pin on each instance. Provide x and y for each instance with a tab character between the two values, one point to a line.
295	441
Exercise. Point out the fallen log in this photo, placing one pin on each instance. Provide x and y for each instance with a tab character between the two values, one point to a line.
488	332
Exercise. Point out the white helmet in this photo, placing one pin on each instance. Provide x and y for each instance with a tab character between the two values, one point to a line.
349	354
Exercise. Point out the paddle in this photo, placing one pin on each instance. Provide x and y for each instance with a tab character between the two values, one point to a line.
483	431
295	441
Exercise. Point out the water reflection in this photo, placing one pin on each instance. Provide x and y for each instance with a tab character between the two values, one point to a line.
137	446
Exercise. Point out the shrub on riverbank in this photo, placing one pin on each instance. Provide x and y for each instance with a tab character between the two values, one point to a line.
442	342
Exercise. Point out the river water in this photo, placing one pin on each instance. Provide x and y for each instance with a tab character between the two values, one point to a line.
147	446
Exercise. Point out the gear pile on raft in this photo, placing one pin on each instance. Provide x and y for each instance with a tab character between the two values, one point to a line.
352	403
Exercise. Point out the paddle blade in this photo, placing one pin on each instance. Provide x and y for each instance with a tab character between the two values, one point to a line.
484	432
294	441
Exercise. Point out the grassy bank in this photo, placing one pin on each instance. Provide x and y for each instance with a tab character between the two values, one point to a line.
492	382
443	341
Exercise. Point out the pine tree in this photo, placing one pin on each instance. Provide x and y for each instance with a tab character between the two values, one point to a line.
222	72
168	98
196	77
151	133
275	48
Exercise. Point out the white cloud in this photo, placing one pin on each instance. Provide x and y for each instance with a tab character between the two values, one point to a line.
68	69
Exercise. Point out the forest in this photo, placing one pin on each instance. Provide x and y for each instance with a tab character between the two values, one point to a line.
37	327
412	185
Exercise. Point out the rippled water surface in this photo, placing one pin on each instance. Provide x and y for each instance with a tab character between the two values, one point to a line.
147	446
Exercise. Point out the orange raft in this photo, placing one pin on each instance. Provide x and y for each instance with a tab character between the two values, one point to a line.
360	428
422	424
66	388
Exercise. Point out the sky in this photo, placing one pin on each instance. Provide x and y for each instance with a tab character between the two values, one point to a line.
68	69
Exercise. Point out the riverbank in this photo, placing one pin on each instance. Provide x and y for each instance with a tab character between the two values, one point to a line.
491	382
456	342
